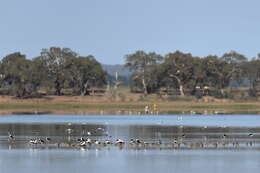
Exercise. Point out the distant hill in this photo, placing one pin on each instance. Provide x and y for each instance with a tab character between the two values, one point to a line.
112	69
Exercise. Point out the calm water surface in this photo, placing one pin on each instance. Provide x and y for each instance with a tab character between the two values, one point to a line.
19	156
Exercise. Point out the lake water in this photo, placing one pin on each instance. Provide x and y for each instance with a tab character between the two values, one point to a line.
217	144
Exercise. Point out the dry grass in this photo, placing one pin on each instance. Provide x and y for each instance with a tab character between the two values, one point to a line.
133	104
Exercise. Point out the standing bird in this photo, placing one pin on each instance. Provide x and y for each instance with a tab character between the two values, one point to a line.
119	142
10	136
81	139
251	135
41	141
48	139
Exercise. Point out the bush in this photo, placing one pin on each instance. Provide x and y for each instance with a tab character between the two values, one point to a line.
217	94
198	94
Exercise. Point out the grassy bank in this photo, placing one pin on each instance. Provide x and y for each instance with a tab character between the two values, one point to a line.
101	105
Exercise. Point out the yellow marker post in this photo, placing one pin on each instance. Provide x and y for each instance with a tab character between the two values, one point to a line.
155	108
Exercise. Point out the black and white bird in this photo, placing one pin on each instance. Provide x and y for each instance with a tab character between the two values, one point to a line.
251	135
81	139
97	142
119	142
36	141
88	141
83	143
10	136
33	141
108	142
48	139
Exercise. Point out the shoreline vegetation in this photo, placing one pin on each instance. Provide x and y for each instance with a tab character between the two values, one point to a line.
59	81
102	105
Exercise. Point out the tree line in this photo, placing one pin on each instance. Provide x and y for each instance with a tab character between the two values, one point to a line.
54	69
191	75
57	68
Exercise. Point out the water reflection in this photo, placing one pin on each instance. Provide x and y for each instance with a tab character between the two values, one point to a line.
162	147
68	136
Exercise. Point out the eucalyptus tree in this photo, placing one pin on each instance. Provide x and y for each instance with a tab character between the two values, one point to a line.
222	70
143	65
85	72
212	67
54	61
235	61
200	76
153	80
19	74
251	70
42	73
180	68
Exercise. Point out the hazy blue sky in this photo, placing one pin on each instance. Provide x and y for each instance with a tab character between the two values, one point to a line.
110	29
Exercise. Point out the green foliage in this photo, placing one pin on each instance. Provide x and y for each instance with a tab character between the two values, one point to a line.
217	93
59	69
188	74
19	74
54	61
145	67
179	68
85	72
55	69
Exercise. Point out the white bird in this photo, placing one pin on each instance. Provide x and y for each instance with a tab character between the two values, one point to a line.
81	139
108	142
83	143
33	141
100	128
88	141
251	135
97	142
119	142
36	141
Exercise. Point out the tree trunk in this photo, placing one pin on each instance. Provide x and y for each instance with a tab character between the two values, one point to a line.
222	88
144	86
57	88
181	88
222	91
83	90
21	92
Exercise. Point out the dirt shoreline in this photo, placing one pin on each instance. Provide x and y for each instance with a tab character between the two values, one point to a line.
100	106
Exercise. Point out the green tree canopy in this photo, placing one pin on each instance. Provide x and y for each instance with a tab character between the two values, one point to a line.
19	74
143	64
85	72
54	61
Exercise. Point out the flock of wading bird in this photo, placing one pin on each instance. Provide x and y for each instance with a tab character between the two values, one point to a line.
179	142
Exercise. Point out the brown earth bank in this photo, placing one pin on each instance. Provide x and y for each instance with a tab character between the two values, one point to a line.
134	105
